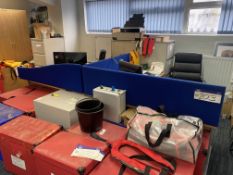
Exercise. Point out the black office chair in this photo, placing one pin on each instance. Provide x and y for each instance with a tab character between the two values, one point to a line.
187	66
102	55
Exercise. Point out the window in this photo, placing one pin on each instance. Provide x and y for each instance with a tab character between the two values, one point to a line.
204	20
226	20
103	15
203	16
161	16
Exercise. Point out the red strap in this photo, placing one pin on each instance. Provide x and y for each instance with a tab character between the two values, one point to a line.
134	163
145	46
151	46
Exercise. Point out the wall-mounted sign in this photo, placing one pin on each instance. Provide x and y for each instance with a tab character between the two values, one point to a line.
207	96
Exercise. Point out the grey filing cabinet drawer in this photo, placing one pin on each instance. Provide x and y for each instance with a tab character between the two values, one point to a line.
38	47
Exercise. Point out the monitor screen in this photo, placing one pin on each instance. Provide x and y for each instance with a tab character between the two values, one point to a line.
70	57
127	67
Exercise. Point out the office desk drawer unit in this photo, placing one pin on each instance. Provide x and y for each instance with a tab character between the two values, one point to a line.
53	157
38	47
43	49
18	138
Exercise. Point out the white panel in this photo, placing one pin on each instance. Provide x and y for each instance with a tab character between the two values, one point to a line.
217	70
70	24
103	43
114	102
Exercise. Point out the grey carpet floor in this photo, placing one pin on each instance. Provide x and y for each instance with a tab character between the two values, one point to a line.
221	161
2	171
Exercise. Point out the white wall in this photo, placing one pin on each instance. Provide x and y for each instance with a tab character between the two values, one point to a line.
70	24
198	44
55	16
184	43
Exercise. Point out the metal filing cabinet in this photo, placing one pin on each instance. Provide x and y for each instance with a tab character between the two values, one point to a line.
43	50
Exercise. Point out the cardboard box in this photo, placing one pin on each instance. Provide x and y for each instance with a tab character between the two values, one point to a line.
162	39
41	27
9	83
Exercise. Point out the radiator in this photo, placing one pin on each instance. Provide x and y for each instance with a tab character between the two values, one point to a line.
217	71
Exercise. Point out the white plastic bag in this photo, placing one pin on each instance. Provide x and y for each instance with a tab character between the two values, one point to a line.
177	137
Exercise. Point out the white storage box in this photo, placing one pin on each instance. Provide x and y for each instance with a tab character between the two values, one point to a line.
114	102
58	107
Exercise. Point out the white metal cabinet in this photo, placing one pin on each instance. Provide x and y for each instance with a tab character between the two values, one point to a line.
114	102
164	52
58	107
43	50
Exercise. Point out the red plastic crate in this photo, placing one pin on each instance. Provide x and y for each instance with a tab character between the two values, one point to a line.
25	102
109	132
18	138
54	155
14	93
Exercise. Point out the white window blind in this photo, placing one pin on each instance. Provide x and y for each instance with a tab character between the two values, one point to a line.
226	20
161	16
103	15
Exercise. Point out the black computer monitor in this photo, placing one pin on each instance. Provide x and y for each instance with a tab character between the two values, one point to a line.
70	57
127	67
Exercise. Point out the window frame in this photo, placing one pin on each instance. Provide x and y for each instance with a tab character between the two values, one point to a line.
190	5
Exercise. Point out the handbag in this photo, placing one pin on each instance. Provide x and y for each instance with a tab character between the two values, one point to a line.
177	137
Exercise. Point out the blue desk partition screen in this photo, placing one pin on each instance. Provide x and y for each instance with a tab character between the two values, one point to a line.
176	95
66	76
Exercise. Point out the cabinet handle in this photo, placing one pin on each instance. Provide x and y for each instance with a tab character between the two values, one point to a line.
38	45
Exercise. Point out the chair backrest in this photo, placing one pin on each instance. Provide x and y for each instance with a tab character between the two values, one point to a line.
102	55
187	66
